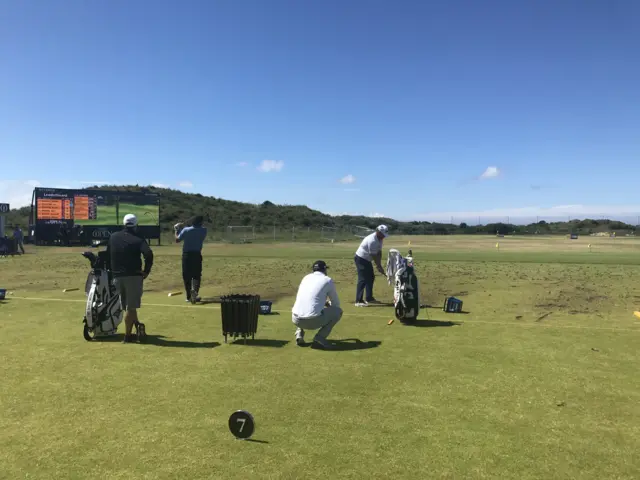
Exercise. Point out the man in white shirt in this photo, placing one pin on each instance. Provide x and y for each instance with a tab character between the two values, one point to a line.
370	250
311	310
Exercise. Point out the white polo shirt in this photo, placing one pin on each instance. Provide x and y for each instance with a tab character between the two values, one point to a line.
312	295
369	247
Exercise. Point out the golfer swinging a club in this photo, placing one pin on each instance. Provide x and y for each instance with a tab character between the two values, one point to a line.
370	249
193	239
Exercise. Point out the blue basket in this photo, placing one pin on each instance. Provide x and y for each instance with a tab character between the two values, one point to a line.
265	307
452	305
3	293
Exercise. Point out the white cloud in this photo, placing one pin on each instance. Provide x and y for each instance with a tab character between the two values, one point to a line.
241	164
376	215
490	172
159	185
348	179
17	193
271	165
185	184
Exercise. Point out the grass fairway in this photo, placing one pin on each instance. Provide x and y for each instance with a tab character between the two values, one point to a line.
147	214
538	381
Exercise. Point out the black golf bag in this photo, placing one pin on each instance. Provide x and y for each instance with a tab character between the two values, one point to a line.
103	311
406	291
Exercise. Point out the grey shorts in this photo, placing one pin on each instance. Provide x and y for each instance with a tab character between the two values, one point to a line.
130	291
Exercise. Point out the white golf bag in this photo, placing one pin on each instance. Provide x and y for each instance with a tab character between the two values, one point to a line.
103	312
406	291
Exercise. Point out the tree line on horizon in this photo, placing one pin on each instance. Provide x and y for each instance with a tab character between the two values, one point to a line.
177	206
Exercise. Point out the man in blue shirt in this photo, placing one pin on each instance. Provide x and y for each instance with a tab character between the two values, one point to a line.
192	239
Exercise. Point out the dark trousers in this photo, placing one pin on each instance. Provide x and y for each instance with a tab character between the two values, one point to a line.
191	270
366	278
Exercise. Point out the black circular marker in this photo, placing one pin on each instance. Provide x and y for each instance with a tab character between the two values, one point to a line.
241	424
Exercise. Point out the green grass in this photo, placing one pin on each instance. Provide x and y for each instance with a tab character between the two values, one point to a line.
147	214
538	380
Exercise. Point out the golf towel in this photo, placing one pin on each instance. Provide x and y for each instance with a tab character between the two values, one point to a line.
395	263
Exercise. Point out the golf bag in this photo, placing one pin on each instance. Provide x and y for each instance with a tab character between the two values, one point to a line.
406	292
103	311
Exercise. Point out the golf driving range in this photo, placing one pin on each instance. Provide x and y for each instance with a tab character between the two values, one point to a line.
536	378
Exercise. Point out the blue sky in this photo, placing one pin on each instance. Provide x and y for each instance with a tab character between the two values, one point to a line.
394	108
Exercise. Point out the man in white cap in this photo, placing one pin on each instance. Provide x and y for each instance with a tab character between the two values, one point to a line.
125	248
370	250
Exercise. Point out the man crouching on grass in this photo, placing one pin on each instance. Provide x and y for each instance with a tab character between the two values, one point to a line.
311	310
125	248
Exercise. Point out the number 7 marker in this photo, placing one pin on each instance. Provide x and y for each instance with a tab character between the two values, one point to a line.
242	421
241	424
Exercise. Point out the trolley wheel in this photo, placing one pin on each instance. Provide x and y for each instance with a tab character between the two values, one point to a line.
86	333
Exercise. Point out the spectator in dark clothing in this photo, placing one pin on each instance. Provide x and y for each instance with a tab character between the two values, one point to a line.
19	238
125	248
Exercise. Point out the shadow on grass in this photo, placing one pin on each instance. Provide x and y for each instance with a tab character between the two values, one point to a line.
255	441
266	342
160	341
432	323
349	344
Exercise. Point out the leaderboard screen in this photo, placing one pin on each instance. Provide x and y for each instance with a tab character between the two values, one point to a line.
78	207
95	208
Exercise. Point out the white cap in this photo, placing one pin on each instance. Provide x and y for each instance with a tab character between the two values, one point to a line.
383	230
130	220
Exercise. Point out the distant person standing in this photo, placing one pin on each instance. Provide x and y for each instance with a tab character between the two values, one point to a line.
192	239
18	236
370	250
125	248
